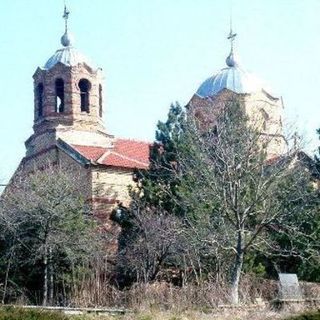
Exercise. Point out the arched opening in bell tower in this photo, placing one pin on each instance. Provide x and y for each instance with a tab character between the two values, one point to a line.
39	92
84	86
265	119
59	106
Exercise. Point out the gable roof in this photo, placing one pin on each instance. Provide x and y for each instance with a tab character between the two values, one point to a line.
125	153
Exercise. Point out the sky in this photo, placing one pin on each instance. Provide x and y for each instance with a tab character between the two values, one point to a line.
155	52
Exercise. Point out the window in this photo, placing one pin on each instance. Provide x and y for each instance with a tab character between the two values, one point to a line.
59	108
100	100
265	119
84	86
215	129
40	99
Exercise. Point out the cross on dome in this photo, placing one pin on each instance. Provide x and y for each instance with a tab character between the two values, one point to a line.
66	17
67	39
233	77
68	54
231	61
231	37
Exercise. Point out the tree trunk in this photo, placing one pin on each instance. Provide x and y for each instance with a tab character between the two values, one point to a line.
51	277
6	278
45	277
237	271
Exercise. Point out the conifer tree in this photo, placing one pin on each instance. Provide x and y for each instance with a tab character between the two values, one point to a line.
317	157
158	184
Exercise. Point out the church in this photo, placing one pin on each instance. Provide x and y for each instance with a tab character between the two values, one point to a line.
68	128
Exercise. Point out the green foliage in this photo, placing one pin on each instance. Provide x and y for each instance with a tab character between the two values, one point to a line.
307	316
12	313
46	232
150	232
163	174
253	265
237	206
145	317
301	206
317	160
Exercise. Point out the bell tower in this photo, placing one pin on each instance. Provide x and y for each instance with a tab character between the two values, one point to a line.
68	99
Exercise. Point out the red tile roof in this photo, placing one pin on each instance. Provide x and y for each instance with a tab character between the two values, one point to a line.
90	152
138	150
125	154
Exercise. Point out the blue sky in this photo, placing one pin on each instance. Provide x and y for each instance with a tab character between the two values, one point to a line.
154	52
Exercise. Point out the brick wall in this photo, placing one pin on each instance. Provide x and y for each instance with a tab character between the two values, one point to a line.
264	112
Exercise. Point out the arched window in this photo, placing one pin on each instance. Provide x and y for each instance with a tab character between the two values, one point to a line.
59	108
100	100
84	86
265	119
40	99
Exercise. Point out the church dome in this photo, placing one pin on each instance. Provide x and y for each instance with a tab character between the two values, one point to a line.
68	54
234	78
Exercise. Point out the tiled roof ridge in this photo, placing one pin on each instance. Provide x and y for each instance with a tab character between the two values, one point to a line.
104	155
121	156
125	153
133	140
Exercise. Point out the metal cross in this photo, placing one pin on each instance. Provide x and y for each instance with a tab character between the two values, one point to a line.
66	16
231	35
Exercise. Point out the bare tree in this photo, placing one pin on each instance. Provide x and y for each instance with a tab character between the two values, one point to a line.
233	193
150	240
44	215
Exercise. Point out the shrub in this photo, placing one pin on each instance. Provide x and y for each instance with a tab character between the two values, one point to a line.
12	313
307	316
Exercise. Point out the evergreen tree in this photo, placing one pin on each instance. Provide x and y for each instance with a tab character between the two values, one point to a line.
317	157
157	185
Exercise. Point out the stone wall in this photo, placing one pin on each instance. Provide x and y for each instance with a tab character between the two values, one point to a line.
265	113
111	183
82	174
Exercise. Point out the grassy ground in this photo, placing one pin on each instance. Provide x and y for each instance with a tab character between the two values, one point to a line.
10	313
307	316
22	314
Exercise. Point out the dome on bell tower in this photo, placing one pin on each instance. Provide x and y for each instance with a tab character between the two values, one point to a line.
68	54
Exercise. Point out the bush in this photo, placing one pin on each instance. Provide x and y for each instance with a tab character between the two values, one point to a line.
11	313
307	316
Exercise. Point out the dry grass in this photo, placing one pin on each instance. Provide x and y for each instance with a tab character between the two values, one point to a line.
227	314
163	301
166	296
193	315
